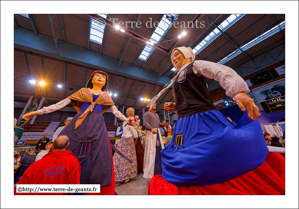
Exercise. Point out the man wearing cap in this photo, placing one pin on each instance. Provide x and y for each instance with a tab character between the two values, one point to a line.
42	153
58	131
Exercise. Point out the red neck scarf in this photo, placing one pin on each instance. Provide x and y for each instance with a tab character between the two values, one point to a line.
152	111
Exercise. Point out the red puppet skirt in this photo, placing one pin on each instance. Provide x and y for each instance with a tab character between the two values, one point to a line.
268	179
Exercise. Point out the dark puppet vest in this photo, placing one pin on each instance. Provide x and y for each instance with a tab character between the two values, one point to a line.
191	93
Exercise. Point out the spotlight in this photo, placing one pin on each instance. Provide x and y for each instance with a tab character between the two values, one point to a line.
148	100
115	94
122	30
59	86
141	98
42	83
32	81
110	94
117	27
151	43
145	99
180	36
184	33
147	42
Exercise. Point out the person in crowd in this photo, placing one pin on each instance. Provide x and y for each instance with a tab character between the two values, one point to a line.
16	167
119	130
17	161
268	138
273	141
17	158
41	144
283	139
124	170
57	167
210	155
42	153
153	144
26	161
58	131
87	132
163	130
169	133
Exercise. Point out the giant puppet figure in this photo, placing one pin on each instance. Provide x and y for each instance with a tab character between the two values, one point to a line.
87	131
208	154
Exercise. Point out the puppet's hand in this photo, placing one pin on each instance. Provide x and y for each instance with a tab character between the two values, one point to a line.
29	115
169	106
245	102
154	131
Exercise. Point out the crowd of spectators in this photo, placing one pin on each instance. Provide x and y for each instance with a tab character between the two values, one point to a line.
274	140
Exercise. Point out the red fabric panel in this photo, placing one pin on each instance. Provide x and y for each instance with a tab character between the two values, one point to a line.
35	173
268	179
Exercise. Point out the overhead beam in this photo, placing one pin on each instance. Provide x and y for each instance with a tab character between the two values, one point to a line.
26	65
55	42
42	67
16	24
43	45
126	44
141	94
129	92
64	79
88	37
62	25
33	24
236	45
166	70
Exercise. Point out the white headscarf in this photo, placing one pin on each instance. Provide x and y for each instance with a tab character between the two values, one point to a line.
188	54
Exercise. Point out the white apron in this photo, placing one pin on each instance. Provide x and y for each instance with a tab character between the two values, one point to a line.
150	153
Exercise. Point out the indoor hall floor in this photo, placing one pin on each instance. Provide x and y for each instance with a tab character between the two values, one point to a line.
136	186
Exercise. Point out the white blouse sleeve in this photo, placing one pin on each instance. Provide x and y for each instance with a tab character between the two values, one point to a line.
228	79
133	132
118	114
54	107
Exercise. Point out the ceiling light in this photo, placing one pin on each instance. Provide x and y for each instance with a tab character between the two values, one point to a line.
141	98
151	43
59	86
184	33
117	27
115	94
147	42
42	83
32	81
110	94
122	30
145	99
148	100
180	36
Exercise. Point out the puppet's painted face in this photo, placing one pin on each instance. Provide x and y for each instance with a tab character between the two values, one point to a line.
154	106
99	79
177	59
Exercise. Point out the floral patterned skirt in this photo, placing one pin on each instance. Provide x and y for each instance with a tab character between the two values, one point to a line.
123	169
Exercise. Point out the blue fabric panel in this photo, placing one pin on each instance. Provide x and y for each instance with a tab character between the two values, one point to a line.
213	150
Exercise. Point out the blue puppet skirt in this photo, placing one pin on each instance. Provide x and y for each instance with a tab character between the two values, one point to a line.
213	150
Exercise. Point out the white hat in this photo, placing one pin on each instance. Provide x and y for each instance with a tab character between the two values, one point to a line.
187	52
69	118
